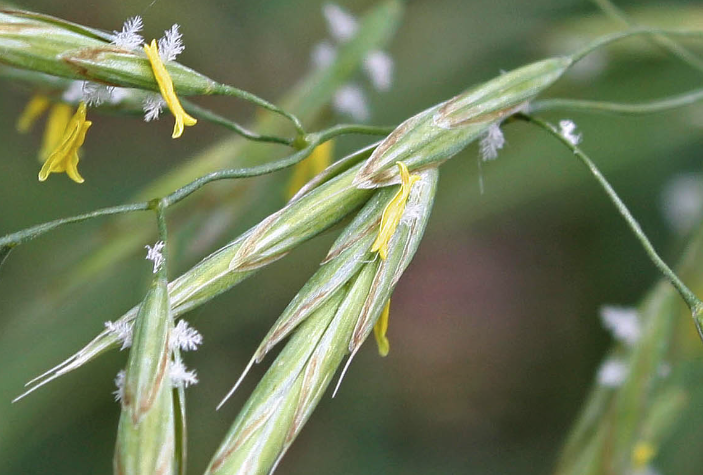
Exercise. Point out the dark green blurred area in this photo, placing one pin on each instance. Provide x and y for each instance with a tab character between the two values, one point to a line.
494	330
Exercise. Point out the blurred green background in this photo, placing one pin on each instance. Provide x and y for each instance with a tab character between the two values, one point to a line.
495	335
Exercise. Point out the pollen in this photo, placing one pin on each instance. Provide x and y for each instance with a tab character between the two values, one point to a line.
380	329
394	211
163	79
65	157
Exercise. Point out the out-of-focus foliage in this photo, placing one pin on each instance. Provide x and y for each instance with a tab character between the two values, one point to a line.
494	329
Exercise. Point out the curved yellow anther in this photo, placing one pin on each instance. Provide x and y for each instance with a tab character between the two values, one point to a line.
380	329
319	159
35	107
65	157
56	123
642	453
163	79
394	211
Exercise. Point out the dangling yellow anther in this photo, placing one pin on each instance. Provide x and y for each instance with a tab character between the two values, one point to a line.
642	454
163	79
319	159
56	123
35	108
380	329
65	157
394	211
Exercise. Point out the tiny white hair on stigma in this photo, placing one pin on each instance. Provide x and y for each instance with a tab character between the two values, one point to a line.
492	141
340	23
122	330
350	100
567	129
182	377
379	67
74	92
129	38
185	337
622	322
155	255
323	54
119	383
153	104
95	94
612	373
171	44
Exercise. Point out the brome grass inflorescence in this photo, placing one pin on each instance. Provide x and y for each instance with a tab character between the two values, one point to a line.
382	195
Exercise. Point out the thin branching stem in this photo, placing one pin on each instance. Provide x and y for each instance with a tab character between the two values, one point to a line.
651	107
612	38
614	12
311	141
248	96
205	114
30	233
160	209
693	302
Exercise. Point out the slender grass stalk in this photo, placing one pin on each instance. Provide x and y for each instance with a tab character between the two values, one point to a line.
614	12
176	196
661	105
694	303
612	38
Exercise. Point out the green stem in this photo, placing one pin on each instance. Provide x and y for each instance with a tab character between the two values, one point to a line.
668	44
35	231
694	304
311	141
347	129
660	105
248	96
607	39
205	114
159	207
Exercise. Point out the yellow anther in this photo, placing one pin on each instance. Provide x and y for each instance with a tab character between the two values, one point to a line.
394	211
35	108
642	454
319	159
65	157
380	329
56	123
163	79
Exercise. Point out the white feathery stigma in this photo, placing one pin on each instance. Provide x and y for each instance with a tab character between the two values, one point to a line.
340	23
323	54
682	201
181	377
567	129
185	337
153	104
493	141
119	383
612	373
622	322
95	94
129	38
154	254
171	44
74	92
122	330
350	100
379	67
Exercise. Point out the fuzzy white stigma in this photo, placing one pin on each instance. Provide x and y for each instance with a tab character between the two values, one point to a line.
567	129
